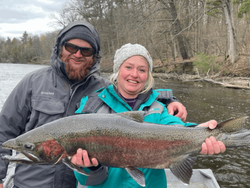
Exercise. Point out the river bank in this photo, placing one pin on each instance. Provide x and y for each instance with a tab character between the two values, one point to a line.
224	81
235	76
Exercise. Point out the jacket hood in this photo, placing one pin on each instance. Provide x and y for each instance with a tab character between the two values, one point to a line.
56	62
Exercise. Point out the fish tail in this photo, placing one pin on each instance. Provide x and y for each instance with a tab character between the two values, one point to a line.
238	139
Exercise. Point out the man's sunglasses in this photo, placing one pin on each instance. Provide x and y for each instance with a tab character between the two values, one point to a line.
74	48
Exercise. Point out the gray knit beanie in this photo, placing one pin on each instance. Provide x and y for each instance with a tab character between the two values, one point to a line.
129	50
80	32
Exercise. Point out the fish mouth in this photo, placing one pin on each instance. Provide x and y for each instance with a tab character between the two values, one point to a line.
22	158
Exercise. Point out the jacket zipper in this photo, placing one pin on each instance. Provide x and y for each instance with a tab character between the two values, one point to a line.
73	89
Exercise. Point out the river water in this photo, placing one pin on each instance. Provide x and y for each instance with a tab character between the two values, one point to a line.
203	103
232	168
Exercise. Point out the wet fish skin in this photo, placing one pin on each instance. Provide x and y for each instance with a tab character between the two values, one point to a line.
123	140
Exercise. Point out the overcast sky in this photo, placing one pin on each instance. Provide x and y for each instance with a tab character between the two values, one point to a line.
17	16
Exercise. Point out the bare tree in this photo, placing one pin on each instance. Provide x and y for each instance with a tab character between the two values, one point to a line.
231	31
183	44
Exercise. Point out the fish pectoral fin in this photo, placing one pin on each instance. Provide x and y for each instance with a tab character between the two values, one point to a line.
137	116
137	175
182	168
78	169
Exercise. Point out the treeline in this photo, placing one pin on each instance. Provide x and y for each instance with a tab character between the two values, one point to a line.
167	28
27	49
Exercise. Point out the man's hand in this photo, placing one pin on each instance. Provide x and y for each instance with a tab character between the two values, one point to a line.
211	145
81	159
1	185
177	109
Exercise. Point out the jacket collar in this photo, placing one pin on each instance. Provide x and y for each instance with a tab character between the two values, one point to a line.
111	97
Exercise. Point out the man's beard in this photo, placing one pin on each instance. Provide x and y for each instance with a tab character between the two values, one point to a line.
79	73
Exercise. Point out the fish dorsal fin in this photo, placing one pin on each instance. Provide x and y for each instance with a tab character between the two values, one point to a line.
137	175
183	168
232	124
137	116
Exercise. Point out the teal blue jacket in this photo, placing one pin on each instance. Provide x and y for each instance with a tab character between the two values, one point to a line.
108	101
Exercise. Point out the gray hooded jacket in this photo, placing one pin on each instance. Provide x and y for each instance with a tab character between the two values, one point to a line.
41	97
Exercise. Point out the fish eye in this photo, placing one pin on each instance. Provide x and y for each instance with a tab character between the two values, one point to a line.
28	146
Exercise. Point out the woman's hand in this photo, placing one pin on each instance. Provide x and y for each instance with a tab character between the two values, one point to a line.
177	109
82	159
211	145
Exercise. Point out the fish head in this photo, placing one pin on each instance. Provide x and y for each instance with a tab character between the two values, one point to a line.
35	147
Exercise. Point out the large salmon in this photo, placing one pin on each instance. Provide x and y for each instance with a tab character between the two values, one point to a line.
123	140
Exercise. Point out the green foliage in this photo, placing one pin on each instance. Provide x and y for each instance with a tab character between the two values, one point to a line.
214	8
244	7
24	38
214	2
204	63
214	13
15	53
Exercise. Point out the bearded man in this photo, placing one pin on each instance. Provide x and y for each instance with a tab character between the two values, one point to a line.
49	94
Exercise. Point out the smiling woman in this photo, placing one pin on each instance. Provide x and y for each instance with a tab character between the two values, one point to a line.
134	61
132	77
131	91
